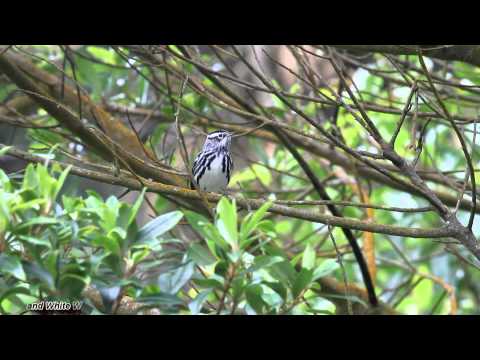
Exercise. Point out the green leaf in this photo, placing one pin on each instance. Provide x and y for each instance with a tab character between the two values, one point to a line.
196	304
253	294
278	288
37	272
215	241
272	298
45	181
32	204
160	299
5	181
308	259
303	280
278	102
171	282
30	179
13	291
72	283
174	49
135	208
321	305
5	211
234	256
4	150
52	262
253	172
197	221
117	232
238	287
106	56
36	241
262	173
326	267
189	99
113	261
61	181
109	213
11	265
110	243
159	226
227	221
41	220
208	232
251	221
200	255
209	283
264	261
283	271
295	88
139	255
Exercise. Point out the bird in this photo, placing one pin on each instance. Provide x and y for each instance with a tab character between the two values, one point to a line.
213	166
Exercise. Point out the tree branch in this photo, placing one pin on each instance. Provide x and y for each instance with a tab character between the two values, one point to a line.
469	54
124	179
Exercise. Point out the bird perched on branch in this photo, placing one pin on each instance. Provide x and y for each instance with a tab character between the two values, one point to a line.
213	166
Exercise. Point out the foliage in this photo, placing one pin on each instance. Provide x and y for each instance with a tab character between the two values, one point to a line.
69	237
246	272
54	249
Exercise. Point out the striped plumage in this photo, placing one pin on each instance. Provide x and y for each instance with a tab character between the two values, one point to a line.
213	166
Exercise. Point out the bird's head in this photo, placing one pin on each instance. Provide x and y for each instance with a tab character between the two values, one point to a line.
218	138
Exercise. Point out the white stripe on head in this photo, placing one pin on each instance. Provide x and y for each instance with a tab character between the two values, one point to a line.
217	134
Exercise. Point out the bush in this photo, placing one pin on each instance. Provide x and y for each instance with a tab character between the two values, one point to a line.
91	252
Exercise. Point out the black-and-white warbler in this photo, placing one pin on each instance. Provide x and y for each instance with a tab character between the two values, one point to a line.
213	166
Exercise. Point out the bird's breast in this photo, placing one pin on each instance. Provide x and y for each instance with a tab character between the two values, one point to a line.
214	178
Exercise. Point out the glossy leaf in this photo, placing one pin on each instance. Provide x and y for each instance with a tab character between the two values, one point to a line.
308	259
227	221
159	226
200	255
196	304
254	297
251	221
325	268
264	261
11	265
173	281
302	281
